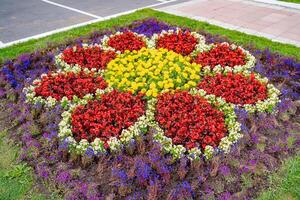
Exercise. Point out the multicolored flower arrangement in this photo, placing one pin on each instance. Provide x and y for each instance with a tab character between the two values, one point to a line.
173	83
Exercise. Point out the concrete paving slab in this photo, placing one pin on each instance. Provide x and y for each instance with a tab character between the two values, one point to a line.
272	21
20	19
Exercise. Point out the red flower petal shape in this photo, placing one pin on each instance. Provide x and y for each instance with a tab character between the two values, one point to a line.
222	55
107	117
235	88
183	42
126	41
90	57
190	120
69	84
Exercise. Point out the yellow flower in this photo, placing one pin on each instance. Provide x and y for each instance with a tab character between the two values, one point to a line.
152	71
148	93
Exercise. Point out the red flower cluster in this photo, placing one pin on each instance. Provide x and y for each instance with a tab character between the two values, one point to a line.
68	85
190	120
126	41
91	57
107	117
221	55
183	43
235	88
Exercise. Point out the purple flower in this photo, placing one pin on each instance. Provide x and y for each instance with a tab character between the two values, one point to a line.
224	170
63	177
225	196
149	27
90	152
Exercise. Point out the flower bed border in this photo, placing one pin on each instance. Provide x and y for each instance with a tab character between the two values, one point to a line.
147	120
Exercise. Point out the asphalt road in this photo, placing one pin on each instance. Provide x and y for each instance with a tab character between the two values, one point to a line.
22	19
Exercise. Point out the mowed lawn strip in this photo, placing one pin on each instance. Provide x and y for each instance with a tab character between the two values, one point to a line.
237	37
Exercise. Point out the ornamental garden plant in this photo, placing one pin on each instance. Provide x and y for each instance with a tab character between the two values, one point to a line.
153	111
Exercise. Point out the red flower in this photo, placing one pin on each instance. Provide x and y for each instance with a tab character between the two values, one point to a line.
235	88
91	57
107	117
190	120
221	55
183	42
68	85
126	41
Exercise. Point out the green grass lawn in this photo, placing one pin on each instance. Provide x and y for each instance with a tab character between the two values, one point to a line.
292	1
285	184
16	179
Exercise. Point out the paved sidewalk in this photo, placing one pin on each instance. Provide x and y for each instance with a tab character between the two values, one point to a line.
272	21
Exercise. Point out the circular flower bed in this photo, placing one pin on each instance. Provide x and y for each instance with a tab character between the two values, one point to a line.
153	84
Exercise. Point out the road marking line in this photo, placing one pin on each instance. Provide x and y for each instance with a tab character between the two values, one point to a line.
79	25
166	1
73	9
163	0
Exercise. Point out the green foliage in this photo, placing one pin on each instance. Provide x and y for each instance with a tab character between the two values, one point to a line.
292	1
285	183
16	179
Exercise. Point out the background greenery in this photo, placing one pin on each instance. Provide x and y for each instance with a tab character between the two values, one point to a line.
16	179
292	1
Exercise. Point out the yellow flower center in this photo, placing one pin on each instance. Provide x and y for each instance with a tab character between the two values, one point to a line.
152	71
